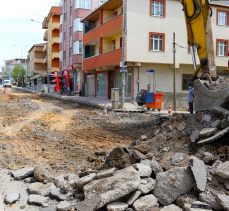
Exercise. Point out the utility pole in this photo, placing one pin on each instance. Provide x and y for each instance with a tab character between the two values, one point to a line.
174	72
123	67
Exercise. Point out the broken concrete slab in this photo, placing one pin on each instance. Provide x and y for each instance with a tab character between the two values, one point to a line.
64	206
223	170
146	162
143	170
207	132
224	124
171	207
171	184
195	136
215	137
199	172
217	123
38	200
138	155
187	198
211	198
147	185
148	202
84	180
119	158
177	158
117	206
224	200
72	178
112	188
59	180
134	197
23	173
219	111
57	194
38	188
43	173
156	167
106	173
11	198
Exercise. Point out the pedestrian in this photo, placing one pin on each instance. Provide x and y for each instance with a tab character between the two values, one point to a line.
190	98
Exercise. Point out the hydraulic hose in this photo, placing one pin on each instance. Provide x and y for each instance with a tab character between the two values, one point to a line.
196	13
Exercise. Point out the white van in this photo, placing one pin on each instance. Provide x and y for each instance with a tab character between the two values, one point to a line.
7	83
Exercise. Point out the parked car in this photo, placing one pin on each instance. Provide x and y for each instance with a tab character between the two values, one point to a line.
7	83
140	98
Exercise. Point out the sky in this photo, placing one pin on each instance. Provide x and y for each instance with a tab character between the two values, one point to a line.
17	32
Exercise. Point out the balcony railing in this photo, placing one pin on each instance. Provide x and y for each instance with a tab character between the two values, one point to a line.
111	58
55	26
105	29
55	55
38	60
55	40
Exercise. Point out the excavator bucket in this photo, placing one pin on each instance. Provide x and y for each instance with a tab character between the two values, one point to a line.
207	95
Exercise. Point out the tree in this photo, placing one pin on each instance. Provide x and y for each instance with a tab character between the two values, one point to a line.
18	74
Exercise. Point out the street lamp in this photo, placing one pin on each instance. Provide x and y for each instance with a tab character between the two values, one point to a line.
47	71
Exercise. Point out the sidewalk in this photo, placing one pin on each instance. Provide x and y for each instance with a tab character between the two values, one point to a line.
100	103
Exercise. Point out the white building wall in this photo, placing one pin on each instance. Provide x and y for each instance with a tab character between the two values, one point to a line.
140	23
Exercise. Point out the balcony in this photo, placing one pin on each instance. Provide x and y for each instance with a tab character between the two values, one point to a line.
45	37
55	26
55	40
55	55
38	60
112	27
111	58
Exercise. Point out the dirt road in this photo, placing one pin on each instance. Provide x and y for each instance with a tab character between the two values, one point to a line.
65	136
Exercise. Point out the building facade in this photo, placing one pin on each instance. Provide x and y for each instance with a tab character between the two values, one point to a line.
10	64
37	65
71	36
52	36
149	46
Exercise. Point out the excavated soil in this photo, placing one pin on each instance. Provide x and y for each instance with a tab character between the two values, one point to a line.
66	136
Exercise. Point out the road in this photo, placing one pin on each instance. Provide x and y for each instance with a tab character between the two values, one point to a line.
65	136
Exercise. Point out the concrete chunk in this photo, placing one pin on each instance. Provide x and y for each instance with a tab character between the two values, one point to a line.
117	206
224	200
147	202
207	132
171	207
38	200
106	173
171	184
23	173
64	206
134	197
84	180
112	188
200	173
223	170
40	188
156	167
11	198
143	170
147	185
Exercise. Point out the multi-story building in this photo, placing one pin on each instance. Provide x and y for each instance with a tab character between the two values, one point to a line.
148	46
72	12
52	35
11	63
37	65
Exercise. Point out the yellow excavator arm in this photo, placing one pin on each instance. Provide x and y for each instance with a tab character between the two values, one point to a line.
199	31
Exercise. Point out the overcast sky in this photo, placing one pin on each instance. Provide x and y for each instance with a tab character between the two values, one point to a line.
17	32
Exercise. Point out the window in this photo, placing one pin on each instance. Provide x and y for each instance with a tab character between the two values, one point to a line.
186	78
120	42
157	8
157	42
101	1
78	26
222	47
78	47
84	4
222	18
113	44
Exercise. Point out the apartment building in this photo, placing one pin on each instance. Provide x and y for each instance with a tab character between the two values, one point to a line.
37	65
10	64
71	35
52	36
149	46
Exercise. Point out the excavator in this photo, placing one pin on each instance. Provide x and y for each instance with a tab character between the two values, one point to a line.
209	88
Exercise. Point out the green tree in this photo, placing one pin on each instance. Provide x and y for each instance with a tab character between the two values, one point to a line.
18	74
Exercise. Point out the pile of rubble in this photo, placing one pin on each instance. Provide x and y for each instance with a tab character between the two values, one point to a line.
161	171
